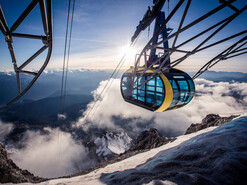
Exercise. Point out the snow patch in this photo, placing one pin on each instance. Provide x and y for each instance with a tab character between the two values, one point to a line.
111	143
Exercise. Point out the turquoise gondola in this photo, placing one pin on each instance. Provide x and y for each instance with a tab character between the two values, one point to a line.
165	92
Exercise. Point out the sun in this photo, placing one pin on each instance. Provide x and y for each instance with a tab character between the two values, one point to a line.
128	54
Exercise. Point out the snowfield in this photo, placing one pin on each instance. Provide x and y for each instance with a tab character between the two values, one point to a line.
210	156
112	143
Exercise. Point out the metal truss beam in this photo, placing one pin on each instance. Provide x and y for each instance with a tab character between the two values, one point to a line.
9	33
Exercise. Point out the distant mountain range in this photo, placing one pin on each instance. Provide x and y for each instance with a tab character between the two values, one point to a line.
79	82
40	106
223	76
44	110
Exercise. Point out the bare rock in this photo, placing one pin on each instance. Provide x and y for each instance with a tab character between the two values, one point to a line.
11	173
209	121
148	140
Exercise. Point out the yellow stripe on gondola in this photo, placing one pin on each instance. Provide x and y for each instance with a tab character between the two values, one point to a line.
168	94
152	98
168	89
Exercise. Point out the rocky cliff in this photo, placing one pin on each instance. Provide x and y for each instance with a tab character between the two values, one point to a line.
148	140
9	172
209	121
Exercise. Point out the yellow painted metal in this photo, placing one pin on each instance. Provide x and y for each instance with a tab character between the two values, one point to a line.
168	94
168	89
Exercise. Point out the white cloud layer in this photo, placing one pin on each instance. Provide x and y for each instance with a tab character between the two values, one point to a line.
5	129
51	155
56	153
221	98
61	116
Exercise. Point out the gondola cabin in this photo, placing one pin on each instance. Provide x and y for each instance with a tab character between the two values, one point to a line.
164	92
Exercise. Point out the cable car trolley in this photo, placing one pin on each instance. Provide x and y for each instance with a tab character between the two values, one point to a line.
166	91
157	85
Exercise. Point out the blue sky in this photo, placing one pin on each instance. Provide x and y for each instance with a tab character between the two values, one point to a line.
101	32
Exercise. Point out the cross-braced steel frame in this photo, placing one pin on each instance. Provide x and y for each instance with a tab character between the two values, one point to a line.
9	33
238	48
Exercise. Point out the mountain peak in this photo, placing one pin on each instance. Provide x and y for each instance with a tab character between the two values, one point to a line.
209	121
149	139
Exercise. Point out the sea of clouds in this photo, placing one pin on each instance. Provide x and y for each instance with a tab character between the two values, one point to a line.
52	154
56	153
5	129
223	98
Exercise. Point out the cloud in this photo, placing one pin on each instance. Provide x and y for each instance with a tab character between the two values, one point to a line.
61	116
52	154
92	59
5	129
221	98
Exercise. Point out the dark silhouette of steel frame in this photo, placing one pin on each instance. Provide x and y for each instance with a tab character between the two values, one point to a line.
9	33
236	49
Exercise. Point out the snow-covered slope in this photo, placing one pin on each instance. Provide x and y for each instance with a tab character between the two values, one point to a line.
216	157
111	143
210	156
